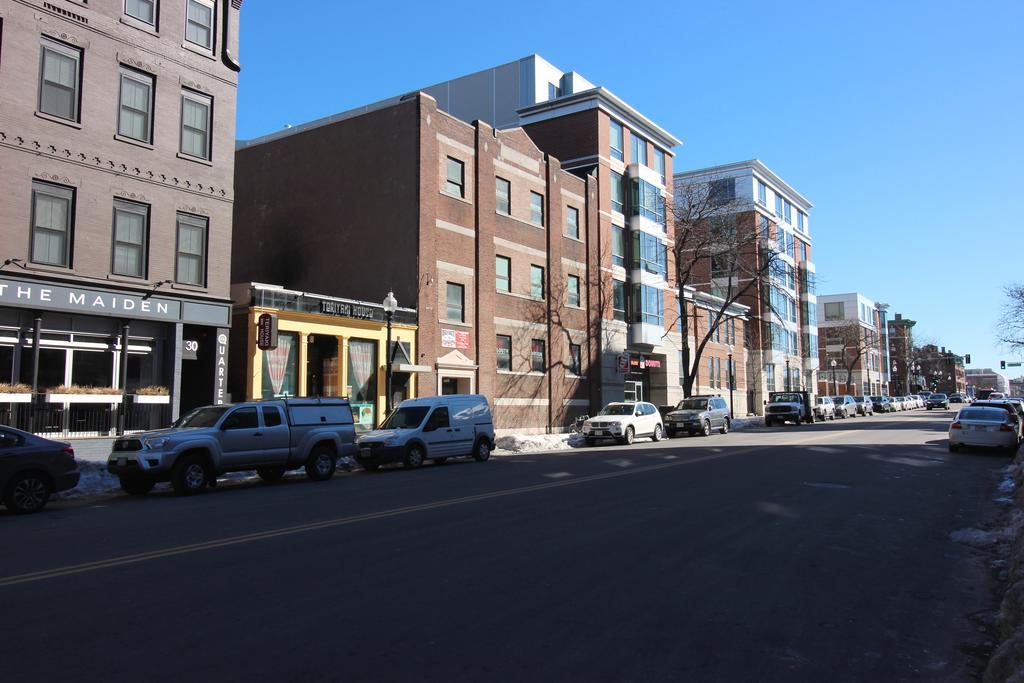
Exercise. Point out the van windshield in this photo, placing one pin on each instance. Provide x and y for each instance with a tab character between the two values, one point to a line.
406	418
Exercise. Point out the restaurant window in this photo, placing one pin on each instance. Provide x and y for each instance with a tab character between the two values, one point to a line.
362	380
504	351
503	273
575	360
59	80
280	367
52	207
190	265
572	222
538	360
131	228
503	196
455	182
456	302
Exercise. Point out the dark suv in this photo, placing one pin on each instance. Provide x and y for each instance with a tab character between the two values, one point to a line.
699	415
938	401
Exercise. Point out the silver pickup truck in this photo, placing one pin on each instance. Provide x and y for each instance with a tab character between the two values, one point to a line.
270	437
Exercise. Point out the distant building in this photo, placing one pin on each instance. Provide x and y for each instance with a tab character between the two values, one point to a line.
985	378
870	371
1017	386
901	348
942	370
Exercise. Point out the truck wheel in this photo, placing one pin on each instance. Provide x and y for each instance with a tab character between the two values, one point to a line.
482	451
321	463
28	492
271	475
190	475
137	486
797	420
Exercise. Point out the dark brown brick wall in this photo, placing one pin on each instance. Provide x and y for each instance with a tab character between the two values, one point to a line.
332	210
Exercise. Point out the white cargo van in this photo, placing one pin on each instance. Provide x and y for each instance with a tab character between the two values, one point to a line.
433	428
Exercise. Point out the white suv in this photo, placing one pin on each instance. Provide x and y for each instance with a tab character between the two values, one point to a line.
624	422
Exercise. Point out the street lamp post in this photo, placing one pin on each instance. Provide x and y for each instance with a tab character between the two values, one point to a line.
789	385
835	385
732	381
390	304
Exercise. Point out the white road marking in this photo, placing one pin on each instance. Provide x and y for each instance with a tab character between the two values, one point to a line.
558	475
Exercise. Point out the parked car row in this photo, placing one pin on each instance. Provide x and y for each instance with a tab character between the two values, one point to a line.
270	437
994	423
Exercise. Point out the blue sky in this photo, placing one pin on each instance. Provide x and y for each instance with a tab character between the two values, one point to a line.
900	121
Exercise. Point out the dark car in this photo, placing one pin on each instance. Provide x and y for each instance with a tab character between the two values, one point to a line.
938	401
32	468
698	414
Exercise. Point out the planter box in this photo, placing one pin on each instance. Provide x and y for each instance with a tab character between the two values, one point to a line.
15	398
147	398
84	398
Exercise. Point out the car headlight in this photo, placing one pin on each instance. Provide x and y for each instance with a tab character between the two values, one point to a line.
158	442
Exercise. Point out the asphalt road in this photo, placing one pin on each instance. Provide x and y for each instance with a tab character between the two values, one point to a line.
810	553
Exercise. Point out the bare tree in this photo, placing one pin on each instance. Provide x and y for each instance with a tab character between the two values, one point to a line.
722	253
1011	322
855	339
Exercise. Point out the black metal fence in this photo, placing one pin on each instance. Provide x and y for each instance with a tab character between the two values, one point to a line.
68	420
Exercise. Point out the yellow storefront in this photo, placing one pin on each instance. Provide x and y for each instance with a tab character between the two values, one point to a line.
325	346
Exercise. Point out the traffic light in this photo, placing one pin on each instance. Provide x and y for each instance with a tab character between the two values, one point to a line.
967	359
1002	365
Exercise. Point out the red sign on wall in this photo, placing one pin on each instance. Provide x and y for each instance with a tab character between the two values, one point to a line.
454	339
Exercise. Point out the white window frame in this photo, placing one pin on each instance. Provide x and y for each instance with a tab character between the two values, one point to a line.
156	12
213	24
195	222
150	82
207	101
71	53
139	210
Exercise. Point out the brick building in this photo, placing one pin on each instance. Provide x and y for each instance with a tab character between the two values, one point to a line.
117	128
942	370
985	378
722	368
902	361
535	253
854	334
782	331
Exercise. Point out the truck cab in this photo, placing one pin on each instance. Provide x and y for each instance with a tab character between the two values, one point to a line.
789	406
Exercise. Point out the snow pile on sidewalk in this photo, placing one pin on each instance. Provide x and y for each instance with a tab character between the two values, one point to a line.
535	443
1007	662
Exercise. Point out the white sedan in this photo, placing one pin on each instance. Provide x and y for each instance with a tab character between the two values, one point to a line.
983	426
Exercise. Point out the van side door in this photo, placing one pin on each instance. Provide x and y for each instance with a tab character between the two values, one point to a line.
437	433
462	413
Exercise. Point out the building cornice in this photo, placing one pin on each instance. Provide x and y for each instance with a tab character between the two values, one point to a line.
758	168
607	101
